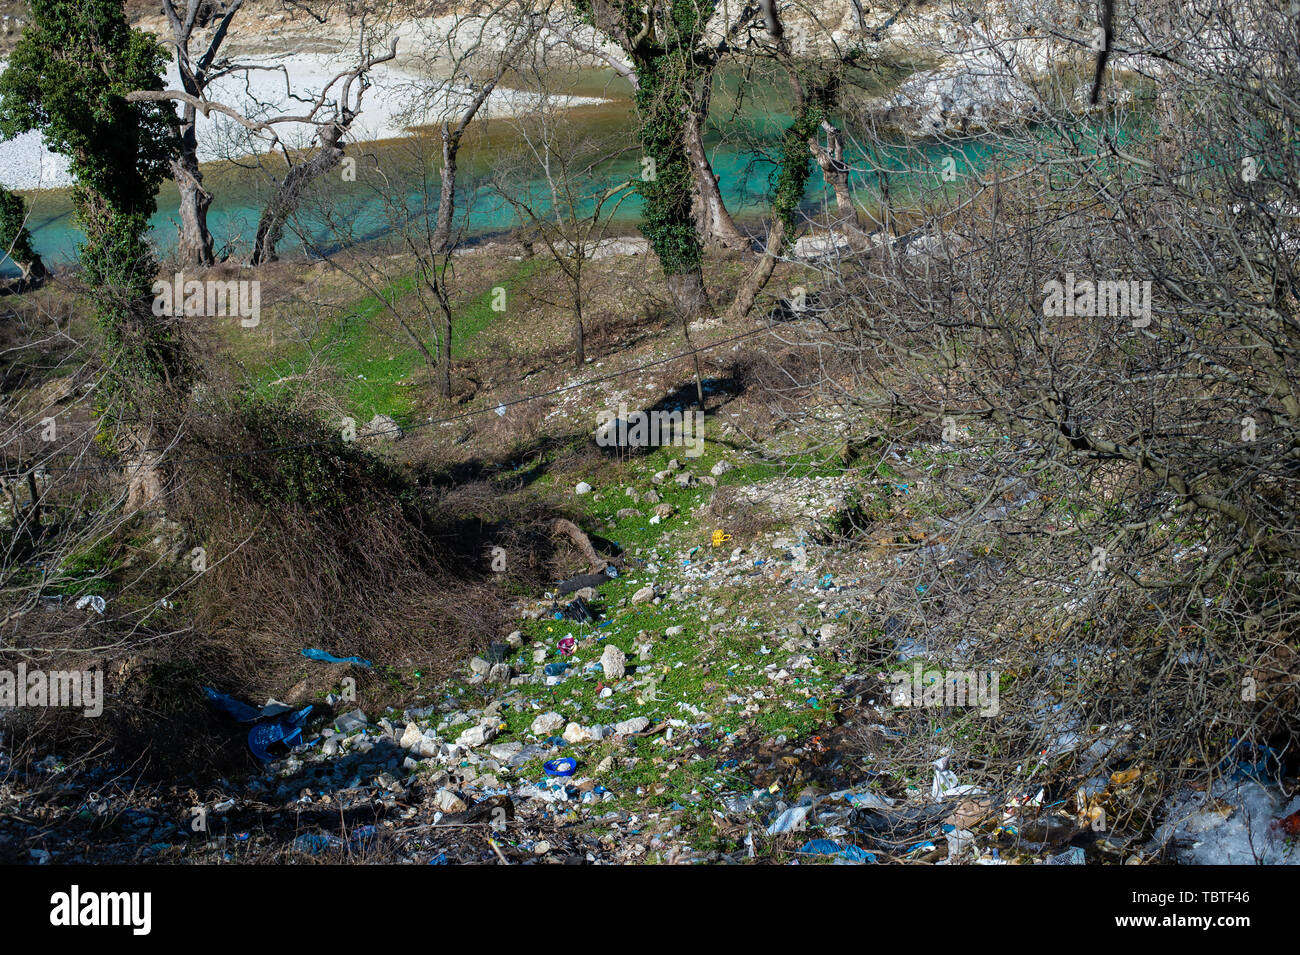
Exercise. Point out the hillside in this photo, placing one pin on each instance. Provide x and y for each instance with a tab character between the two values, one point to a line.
696	435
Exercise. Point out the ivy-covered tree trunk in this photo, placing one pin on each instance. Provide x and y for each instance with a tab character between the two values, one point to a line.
791	181
664	44
15	240
145	348
690	298
69	76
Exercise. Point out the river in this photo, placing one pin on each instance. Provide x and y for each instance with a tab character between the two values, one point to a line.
398	178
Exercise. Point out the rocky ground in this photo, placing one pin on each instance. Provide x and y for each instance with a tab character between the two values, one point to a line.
719	703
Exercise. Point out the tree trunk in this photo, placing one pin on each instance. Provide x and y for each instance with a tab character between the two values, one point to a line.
34	271
444	356
836	172
695	357
446	190
579	343
194	244
270	229
754	282
713	223
687	290
143	469
194	241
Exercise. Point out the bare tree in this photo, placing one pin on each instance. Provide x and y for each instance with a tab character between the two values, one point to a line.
572	212
1080	362
194	246
448	92
468	45
330	112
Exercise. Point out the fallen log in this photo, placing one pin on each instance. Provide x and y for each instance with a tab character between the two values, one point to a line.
580	540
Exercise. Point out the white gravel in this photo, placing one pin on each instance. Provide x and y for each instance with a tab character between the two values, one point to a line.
25	163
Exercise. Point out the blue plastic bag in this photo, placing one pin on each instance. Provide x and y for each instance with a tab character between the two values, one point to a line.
320	656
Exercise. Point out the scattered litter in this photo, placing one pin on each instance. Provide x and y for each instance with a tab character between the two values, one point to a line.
322	657
268	739
827	847
1071	856
792	820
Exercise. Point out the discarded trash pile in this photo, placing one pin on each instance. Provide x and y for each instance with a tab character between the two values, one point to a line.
704	702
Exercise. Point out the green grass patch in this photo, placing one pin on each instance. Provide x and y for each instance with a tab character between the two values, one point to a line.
377	364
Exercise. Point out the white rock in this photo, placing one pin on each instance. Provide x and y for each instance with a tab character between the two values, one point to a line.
547	723
614	662
576	733
976	91
620	245
504	751
822	245
582	488
637	724
412	737
383	428
644	595
478	735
